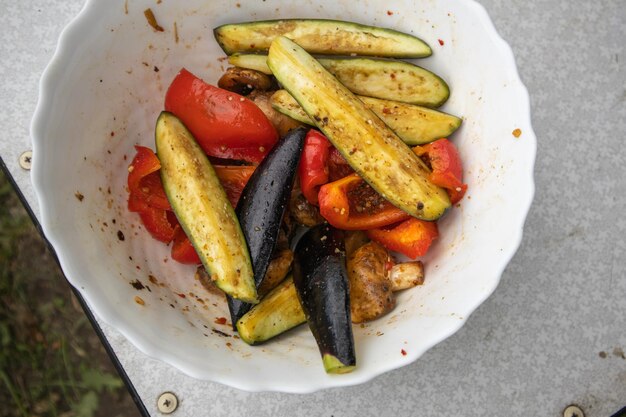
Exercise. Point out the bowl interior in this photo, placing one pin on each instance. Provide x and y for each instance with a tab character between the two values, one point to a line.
101	96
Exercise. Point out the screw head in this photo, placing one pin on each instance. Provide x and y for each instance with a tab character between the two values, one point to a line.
573	411
167	403
26	160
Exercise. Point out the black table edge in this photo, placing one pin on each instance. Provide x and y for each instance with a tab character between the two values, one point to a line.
96	327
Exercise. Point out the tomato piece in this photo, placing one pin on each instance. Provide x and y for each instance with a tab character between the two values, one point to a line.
446	165
157	224
182	249
351	204
233	179
225	124
412	237
313	169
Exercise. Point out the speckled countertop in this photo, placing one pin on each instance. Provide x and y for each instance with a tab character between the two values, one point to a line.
554	331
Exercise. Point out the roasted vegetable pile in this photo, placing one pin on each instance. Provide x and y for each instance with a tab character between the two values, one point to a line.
351	148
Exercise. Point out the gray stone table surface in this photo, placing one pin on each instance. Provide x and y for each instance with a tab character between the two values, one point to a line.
534	346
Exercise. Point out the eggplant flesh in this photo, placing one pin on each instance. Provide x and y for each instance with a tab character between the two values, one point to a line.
320	278
262	206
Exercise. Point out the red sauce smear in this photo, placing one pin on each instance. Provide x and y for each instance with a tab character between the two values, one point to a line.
220	320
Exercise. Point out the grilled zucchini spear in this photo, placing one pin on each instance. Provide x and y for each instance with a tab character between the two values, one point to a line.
318	36
415	125
379	78
203	210
369	146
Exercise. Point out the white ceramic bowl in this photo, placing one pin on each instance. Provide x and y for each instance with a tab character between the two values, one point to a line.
101	95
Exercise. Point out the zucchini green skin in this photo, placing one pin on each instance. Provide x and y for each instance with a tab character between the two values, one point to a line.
250	61
262	206
319	36
278	311
321	281
415	125
378	78
370	147
202	208
389	80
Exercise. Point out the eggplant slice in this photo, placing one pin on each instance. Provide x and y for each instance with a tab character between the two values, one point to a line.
319	274
262	206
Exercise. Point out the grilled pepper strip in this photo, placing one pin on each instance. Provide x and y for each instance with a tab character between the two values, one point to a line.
443	157
146	194
351	204
182	249
225	124
412	237
233	180
313	168
144	183
157	224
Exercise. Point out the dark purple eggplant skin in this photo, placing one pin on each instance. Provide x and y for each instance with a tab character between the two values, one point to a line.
262	206
321	281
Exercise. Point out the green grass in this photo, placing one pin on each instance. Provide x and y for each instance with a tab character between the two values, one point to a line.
51	361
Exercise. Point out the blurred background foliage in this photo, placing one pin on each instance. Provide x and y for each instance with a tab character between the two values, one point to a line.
51	361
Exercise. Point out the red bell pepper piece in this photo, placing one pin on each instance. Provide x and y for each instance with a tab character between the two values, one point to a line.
313	168
144	182
182	249
233	179
447	169
151	190
338	167
412	237
146	195
225	124
157	224
351	204
136	204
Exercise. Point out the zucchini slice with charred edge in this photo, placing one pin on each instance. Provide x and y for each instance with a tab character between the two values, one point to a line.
251	61
262	205
277	312
320	278
202	208
378	78
319	36
415	125
370	147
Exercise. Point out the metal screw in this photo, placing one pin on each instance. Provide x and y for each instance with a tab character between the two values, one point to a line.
26	160
573	411
167	403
